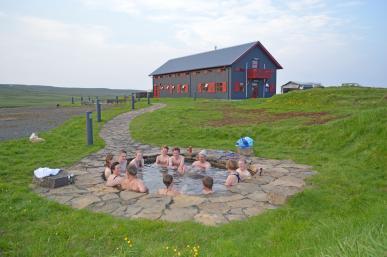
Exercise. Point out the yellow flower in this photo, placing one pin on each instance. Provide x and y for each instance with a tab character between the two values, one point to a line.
126	239
178	253
166	247
175	250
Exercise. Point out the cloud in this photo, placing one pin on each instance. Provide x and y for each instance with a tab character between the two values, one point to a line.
310	38
50	52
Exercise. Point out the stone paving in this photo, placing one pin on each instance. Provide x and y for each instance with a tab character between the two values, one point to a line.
268	189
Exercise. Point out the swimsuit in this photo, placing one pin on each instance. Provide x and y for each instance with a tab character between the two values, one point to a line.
237	175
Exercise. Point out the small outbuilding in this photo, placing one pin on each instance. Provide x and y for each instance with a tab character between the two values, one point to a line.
296	85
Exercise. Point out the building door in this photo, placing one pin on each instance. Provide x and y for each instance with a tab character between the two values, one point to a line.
254	90
156	91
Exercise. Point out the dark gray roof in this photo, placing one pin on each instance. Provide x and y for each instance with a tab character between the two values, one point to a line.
215	58
304	84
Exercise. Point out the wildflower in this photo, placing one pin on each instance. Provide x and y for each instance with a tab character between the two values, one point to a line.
126	239
166	248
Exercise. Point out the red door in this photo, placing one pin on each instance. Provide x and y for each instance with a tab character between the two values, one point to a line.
156	91
254	88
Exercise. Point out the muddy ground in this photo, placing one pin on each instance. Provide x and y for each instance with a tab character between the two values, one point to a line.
22	121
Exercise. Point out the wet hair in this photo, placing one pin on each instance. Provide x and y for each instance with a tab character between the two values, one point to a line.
203	153
109	157
165	146
131	170
242	160
208	182
231	165
176	149
167	180
114	165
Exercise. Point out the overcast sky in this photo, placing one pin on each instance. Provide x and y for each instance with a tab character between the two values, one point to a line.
117	43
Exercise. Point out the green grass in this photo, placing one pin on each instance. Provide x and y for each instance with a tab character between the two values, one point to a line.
33	95
341	213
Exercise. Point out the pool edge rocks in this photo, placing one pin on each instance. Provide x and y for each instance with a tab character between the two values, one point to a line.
279	180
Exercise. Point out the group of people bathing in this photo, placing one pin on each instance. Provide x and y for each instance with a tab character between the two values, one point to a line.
237	171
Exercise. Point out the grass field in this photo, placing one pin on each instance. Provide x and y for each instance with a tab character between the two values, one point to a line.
23	95
340	132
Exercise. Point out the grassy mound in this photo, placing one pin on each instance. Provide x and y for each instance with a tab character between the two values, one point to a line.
341	132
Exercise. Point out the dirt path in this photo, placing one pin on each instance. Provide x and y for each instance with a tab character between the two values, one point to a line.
22	121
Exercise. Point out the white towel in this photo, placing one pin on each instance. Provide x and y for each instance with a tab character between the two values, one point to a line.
45	172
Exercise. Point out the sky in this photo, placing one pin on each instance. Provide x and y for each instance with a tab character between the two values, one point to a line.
117	43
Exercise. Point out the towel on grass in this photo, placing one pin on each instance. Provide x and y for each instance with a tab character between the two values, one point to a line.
45	172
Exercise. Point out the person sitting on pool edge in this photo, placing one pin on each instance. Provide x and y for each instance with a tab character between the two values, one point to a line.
138	161
162	160
115	180
169	190
108	163
176	161
242	170
233	177
123	161
132	183
202	163
208	182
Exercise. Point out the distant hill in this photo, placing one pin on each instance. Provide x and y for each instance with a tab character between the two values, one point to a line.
15	95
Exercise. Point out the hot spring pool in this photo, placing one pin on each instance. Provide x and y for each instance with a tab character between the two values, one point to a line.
190	183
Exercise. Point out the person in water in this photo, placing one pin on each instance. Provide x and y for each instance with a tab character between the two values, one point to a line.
208	182
162	160
108	163
176	161
169	190
138	161
115	180
233	177
133	183
242	170
123	161
202	162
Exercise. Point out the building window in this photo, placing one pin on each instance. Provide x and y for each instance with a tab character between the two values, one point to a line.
239	87
219	87
187	73
198	72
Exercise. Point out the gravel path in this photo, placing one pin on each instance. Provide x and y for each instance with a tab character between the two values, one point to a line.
22	121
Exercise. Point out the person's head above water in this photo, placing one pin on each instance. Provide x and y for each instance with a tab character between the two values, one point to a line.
122	156
108	160
208	182
115	168
242	164
131	170
138	155
167	180
176	151
202	155
164	149
231	165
